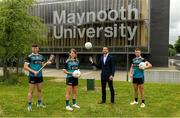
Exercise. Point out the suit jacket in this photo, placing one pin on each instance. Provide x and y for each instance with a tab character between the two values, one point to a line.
108	68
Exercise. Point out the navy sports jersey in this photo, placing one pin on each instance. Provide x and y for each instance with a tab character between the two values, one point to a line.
34	62
137	73
71	65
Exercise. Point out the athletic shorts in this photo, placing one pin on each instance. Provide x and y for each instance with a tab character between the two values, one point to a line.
72	81
138	81
35	80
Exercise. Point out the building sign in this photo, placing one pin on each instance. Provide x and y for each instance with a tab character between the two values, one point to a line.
112	23
77	19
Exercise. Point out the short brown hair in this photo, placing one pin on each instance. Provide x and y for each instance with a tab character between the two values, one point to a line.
105	47
34	45
138	49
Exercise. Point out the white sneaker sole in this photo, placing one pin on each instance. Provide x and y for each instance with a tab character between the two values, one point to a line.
76	107
29	109
134	104
69	109
142	106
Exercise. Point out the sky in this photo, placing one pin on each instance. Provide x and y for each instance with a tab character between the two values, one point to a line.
174	21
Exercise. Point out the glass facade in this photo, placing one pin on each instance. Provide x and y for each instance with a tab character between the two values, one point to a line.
130	27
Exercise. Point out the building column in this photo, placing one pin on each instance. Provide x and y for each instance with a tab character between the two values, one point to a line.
57	61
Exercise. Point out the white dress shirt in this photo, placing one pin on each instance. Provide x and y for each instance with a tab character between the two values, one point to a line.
105	58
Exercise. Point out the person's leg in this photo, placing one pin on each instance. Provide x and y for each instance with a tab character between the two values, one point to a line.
135	85
30	95
68	92
74	89
103	87
74	92
39	91
141	88
110	84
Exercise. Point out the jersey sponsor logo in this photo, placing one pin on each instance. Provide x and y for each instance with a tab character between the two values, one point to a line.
38	62
74	67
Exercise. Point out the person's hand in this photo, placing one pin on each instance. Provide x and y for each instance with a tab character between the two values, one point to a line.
91	60
48	62
70	73
111	77
131	75
35	72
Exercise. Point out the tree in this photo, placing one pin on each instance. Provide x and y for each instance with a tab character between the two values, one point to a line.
171	46
177	45
172	52
18	30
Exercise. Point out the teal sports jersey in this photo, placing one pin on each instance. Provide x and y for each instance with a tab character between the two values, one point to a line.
137	73
71	65
34	62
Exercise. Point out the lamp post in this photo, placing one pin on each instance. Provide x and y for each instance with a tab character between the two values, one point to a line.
127	62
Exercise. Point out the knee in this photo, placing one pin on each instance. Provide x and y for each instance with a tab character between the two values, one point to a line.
67	95
136	89
30	93
39	90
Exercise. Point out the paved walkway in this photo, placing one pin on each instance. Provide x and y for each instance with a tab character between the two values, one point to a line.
119	75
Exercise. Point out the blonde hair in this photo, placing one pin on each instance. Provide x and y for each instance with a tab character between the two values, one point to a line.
73	50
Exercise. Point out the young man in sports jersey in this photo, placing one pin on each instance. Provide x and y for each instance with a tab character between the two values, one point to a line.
137	74
71	65
32	64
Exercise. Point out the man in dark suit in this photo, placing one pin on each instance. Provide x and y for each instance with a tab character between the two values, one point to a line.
107	65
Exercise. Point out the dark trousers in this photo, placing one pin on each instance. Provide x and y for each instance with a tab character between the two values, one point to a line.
105	80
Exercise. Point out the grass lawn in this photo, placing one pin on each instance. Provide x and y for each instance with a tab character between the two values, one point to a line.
161	100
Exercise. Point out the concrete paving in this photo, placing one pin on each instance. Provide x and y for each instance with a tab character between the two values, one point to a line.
152	75
86	74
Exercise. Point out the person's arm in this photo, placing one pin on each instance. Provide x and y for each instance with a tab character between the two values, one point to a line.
27	68
66	68
148	65
99	65
66	72
131	71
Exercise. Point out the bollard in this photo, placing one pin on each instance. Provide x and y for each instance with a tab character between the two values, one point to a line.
91	84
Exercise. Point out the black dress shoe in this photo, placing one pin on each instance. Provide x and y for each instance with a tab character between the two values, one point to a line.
101	102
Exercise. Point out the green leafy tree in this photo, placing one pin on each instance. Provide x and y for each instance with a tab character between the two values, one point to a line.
18	30
172	50
177	45
171	46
